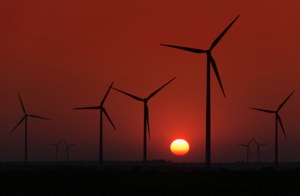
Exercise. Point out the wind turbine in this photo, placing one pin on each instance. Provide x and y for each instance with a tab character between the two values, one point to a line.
277	118
25	117
67	149
102	110
248	150
258	149
212	61
57	150
146	118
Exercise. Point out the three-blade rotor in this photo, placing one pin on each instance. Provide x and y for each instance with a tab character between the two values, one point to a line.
276	113
145	100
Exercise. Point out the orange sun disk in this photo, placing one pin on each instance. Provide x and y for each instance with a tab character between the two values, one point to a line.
179	147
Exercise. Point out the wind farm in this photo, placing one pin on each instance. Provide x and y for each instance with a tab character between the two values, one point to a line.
93	67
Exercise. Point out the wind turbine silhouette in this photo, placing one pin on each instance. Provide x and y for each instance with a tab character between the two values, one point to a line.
102	110
67	149
57	150
25	117
146	118
212	61
277	118
258	149
248	150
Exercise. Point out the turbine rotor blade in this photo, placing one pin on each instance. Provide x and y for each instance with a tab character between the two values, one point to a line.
281	125
222	34
249	150
268	111
147	120
216	72
18	124
38	117
160	88
62	140
134	97
285	101
257	150
108	118
57	149
195	50
66	150
250	142
256	142
94	107
22	103
102	102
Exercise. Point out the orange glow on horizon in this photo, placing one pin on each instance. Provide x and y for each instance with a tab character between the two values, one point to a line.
179	147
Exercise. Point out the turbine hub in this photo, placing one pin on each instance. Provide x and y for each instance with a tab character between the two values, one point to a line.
145	100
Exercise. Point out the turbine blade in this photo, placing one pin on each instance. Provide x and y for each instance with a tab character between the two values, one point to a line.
268	111
102	102
216	72
17	124
94	107
281	125
257	150
66	150
160	88
256	142
104	110
249	150
38	117
22	103
284	101
195	50
62	140
147	120
134	97
250	142
222	34
57	149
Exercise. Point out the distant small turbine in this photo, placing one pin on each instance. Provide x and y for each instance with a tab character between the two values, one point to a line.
25	117
211	60
57	150
248	150
258	149
146	118
67	149
102	109
277	118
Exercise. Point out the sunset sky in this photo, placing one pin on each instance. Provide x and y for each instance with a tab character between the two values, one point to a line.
63	54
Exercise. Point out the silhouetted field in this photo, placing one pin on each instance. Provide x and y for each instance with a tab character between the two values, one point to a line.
199	183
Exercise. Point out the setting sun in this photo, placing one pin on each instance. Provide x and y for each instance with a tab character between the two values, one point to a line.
179	147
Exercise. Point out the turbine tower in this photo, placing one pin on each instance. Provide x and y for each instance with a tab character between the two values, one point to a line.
102	110
146	118
258	149
277	118
211	60
25	118
67	149
57	150
248	150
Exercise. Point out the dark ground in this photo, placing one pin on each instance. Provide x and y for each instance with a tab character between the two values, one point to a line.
239	183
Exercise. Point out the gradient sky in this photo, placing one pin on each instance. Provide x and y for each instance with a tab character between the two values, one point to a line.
64	54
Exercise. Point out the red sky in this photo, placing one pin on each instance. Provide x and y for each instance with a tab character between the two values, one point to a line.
64	54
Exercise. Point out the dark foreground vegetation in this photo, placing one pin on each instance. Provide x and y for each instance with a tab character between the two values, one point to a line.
90	183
